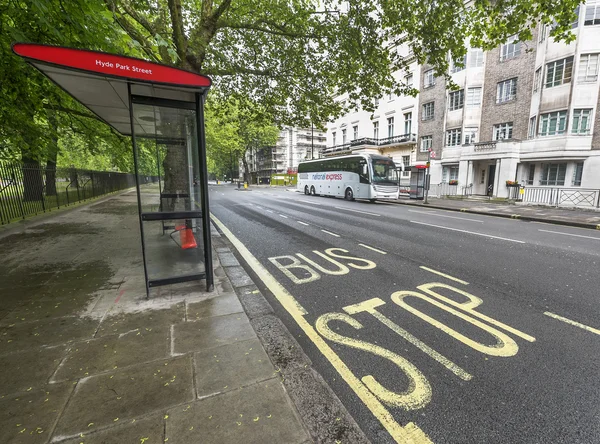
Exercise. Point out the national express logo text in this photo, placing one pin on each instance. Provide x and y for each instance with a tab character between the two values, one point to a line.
324	176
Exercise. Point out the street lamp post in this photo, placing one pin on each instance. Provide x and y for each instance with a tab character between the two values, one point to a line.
312	141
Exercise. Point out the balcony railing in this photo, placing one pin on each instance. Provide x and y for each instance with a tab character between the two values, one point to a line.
398	139
394	140
484	146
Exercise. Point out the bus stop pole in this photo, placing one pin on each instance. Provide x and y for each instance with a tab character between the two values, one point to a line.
427	175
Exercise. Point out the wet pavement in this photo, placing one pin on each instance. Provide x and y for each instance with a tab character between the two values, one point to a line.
86	358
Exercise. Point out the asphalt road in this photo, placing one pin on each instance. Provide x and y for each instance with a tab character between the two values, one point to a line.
471	355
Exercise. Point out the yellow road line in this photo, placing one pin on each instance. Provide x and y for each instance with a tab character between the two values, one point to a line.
447	276
408	434
576	324
374	249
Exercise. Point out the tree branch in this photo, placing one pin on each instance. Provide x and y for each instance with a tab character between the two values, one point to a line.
256	27
140	19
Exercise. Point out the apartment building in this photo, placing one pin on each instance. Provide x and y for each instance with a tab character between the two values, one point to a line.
524	112
293	146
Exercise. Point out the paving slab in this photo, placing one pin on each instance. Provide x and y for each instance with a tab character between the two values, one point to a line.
123	395
123	321
228	260
30	369
27	334
116	351
211	332
148	430
222	304
231	366
48	307
260	413
29	418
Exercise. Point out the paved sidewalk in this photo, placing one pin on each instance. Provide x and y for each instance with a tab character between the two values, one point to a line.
85	358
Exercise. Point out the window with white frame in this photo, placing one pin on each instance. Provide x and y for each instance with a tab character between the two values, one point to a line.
473	97
456	100
577	174
355	132
592	15
536	79
510	49
454	137
531	174
502	131
409	80
588	68
375	130
506	90
575	22
426	143
343	136
543	31
428	78
471	135
449	173
552	124
406	163
333	136
582	121
428	110
458	64
390	122
531	129
559	72
475	58
407	123
553	174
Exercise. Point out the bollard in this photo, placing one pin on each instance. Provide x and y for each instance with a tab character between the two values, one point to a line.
245	185
239	184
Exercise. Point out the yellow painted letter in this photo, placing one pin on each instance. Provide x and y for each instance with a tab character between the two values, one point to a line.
295	264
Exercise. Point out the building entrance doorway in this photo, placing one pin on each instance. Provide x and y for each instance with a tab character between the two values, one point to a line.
490	180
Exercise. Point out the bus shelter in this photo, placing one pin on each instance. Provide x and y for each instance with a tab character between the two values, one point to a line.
162	109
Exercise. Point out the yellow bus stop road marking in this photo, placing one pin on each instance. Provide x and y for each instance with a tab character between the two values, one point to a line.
407	434
576	324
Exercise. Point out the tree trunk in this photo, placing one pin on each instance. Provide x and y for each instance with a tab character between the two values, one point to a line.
33	183
51	162
175	164
246	170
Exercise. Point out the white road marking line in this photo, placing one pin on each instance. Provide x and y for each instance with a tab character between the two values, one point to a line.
329	232
285	217
269	211
469	232
576	324
308	201
302	223
570	234
358	211
374	249
444	215
447	276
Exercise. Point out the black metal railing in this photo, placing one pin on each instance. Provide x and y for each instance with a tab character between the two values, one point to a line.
404	138
29	189
398	139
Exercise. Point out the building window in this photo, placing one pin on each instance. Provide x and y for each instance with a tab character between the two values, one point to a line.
531	174
588	68
592	15
457	100
407	123
390	122
375	130
543	31
482	177
333	135
406	163
559	72
409	80
426	143
553	174
470	136
473	97
575	23
506	91
531	129
343	137
536	79
376	103
428	111
577	173
510	49
458	64
453	137
503	131
581	121
449	173
390	96
355	132
552	124
475	58
428	78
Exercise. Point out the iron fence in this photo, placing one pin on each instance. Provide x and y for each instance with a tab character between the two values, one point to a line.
29	189
562	197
